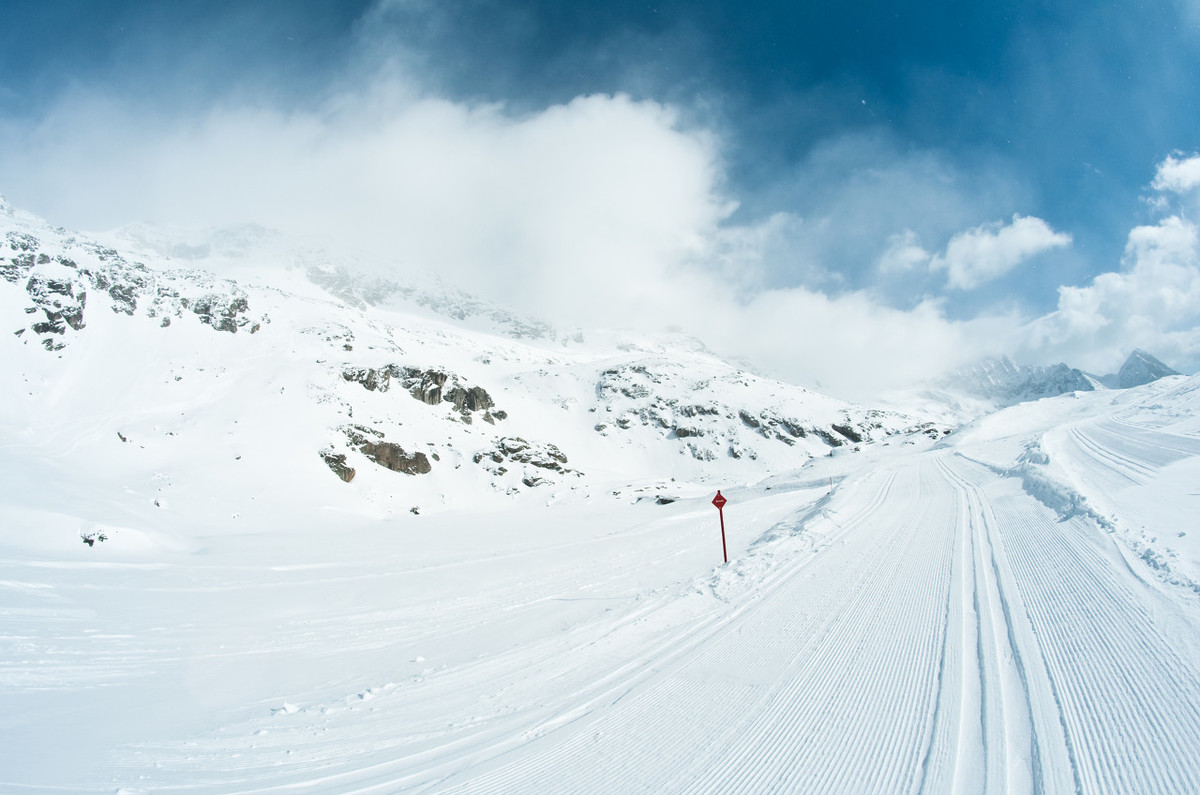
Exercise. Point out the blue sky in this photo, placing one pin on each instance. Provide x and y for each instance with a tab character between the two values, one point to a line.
938	173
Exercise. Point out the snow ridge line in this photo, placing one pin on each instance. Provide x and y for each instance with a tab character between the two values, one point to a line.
1065	501
1158	452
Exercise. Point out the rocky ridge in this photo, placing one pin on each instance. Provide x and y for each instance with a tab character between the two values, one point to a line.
394	403
59	272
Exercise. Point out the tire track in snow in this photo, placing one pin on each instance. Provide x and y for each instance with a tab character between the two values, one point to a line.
670	688
998	741
533	681
1128	702
826	684
946	633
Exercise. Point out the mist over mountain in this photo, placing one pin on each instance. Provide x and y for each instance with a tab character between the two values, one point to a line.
228	346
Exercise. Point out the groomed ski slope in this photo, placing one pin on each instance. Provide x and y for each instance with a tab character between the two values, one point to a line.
1002	613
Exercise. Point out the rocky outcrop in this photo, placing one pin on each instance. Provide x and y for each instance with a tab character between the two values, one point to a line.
389	455
337	463
223	311
848	432
60	300
373	379
59	285
513	451
392	456
713	417
432	387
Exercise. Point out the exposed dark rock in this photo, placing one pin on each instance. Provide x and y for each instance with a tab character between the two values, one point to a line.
393	457
792	427
222	312
123	298
469	399
58	285
848	432
828	437
370	443
337	463
515	450
52	325
373	379
19	241
432	387
14	269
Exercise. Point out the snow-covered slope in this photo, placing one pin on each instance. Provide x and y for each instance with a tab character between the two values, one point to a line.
363	393
192	599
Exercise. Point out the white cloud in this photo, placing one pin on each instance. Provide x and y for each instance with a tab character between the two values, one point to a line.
581	207
1153	302
904	254
1177	174
600	211
852	344
989	251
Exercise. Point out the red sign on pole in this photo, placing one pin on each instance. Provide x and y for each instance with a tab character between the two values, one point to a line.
720	501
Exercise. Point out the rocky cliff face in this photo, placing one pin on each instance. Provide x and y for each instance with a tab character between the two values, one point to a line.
430	386
60	272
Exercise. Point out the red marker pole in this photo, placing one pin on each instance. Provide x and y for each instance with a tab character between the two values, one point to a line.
720	501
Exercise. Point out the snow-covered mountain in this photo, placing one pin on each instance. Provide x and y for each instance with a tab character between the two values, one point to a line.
363	389
268	525
1008	383
1140	368
970	392
973	391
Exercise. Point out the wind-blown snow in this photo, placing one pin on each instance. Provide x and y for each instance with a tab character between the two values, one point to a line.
1012	607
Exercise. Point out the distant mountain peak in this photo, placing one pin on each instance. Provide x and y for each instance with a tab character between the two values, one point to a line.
1140	368
1006	383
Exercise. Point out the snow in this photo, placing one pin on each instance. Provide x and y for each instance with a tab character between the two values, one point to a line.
1010	607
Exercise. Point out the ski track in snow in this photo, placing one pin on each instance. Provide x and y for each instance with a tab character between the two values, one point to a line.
929	627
